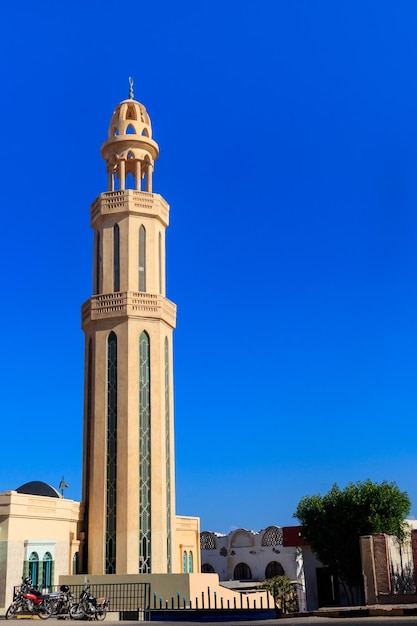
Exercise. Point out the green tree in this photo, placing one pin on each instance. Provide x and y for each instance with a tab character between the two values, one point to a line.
332	524
284	592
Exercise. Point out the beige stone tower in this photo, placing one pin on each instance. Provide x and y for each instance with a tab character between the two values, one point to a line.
128	464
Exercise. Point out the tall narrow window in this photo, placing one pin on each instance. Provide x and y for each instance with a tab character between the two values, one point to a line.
111	477
144	455
160	262
116	258
190	562
184	562
167	456
47	571
76	564
98	263
142	259
34	567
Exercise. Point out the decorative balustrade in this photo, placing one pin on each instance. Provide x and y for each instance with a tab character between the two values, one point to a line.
129	200
129	304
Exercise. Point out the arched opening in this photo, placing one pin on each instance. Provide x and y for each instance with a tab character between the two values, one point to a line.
184	562
47	571
34	567
190	562
274	569
242	572
145	132
208	541
131	112
206	568
130	130
130	182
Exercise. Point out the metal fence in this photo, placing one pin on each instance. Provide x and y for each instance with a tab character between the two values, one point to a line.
124	597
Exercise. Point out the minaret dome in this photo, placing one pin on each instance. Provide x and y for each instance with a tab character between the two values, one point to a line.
129	148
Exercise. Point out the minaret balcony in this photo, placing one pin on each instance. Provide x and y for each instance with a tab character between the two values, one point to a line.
128	304
130	201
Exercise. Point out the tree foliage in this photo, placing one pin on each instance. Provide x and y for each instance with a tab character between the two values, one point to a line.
284	592
333	523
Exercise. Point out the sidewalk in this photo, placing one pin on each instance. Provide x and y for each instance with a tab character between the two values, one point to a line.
373	610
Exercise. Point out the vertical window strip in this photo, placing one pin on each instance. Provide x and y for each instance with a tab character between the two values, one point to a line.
160	262
144	455
168	458
98	262
111	478
190	562
116	258
142	259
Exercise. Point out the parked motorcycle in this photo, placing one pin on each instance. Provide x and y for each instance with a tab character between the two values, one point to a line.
29	600
61	601
89	607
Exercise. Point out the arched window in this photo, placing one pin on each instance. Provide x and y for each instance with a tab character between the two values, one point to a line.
242	572
184	562
130	130
34	567
116	258
190	562
206	568
111	478
142	259
131	112
208	541
274	569
47	571
144	455
272	536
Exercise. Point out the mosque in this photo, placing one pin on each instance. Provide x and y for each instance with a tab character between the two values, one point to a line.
126	525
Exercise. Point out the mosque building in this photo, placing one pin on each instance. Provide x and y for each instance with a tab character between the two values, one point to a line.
126	526
127	522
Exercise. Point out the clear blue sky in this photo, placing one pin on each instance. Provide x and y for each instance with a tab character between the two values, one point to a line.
288	142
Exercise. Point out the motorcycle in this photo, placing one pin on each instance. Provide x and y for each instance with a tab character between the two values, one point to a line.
89	607
29	600
61	601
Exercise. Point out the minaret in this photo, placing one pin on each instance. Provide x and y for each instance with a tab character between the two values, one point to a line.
128	463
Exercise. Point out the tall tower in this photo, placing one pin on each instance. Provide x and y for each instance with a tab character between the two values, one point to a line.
128	461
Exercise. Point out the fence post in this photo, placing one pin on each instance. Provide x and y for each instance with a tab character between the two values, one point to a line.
202	599
178	599
215	600
208	596
184	601
160	603
196	603
234	602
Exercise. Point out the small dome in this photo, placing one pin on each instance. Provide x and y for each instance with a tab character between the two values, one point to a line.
38	488
130	118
